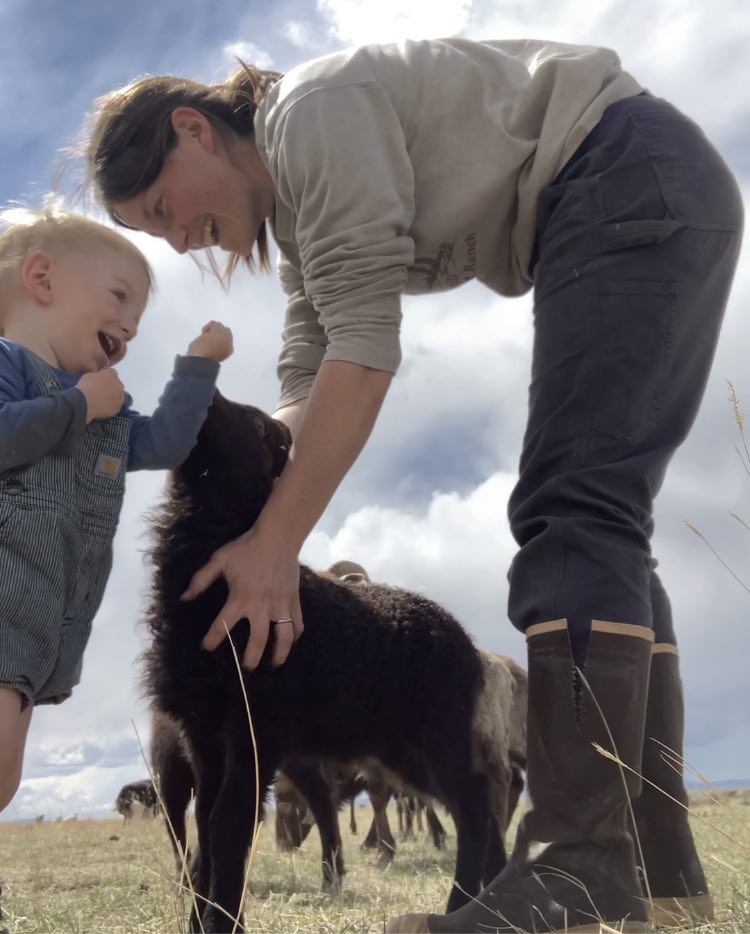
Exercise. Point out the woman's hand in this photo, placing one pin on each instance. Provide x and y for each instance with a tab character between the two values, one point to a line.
263	579
261	567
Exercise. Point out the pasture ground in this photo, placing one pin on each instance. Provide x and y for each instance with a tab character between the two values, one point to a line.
105	876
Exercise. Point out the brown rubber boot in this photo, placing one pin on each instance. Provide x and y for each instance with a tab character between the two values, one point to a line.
674	875
573	865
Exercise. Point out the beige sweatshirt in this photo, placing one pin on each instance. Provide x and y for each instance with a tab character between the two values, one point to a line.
414	168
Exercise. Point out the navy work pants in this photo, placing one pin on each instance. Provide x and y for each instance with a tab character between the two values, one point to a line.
637	243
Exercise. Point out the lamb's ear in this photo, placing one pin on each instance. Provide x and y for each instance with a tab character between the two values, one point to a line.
354	578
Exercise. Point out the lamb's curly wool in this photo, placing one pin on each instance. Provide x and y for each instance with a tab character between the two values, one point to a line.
379	672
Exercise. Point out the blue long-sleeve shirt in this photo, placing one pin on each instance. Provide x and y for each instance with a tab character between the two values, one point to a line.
33	425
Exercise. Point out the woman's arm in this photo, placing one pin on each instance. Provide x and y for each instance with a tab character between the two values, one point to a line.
291	415
261	567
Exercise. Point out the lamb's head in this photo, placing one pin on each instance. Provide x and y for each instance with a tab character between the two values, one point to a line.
239	452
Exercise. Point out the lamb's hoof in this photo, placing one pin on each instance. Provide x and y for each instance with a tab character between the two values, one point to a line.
408	924
385	857
332	884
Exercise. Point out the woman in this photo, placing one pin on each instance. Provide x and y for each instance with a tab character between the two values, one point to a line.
413	168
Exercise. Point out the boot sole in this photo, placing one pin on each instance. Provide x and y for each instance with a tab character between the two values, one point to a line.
681	912
605	927
417	924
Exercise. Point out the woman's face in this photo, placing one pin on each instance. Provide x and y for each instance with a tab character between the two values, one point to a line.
206	194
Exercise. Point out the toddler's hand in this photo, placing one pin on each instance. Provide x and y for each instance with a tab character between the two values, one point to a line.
215	341
104	393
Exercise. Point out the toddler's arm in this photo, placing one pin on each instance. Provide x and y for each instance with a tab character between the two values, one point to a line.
33	428
165	439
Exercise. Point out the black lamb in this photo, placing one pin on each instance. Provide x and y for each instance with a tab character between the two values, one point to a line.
378	672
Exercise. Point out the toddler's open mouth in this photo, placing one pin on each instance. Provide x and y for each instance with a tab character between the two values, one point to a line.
111	345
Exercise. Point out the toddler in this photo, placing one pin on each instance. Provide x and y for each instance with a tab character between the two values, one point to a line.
72	293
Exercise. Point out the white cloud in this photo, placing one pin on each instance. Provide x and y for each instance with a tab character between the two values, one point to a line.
298	33
248	52
361	21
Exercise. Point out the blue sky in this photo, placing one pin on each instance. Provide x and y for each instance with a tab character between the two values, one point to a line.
425	505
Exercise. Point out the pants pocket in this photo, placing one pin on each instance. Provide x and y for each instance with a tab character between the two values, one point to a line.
636	326
629	235
697	186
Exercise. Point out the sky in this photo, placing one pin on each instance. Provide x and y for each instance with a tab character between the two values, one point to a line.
425	505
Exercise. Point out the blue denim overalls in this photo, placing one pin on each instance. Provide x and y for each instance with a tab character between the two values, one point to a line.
57	520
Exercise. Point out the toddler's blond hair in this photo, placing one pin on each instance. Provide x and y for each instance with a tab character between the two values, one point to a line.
56	231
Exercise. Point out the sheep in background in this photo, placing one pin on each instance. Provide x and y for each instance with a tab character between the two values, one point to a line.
137	796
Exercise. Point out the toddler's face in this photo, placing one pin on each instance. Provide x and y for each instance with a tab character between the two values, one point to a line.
98	300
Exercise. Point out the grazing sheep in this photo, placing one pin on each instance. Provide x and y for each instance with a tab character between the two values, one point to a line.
379	672
137	793
294	819
500	731
294	816
409	808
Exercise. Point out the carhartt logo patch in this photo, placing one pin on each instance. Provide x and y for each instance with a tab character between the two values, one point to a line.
108	466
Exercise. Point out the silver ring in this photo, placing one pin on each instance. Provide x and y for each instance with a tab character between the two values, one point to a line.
287	619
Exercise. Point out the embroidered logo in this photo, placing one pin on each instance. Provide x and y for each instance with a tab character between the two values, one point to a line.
108	466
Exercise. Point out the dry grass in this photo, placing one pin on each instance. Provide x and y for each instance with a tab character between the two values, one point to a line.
103	876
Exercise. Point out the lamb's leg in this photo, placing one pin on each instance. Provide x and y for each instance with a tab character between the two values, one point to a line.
175	787
410	808
515	791
495	857
208	764
439	834
352	817
231	826
471	815
386	842
371	838
419	806
320	799
380	794
499	790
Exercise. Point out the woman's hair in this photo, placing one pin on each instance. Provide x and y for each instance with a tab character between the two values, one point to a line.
130	133
57	231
